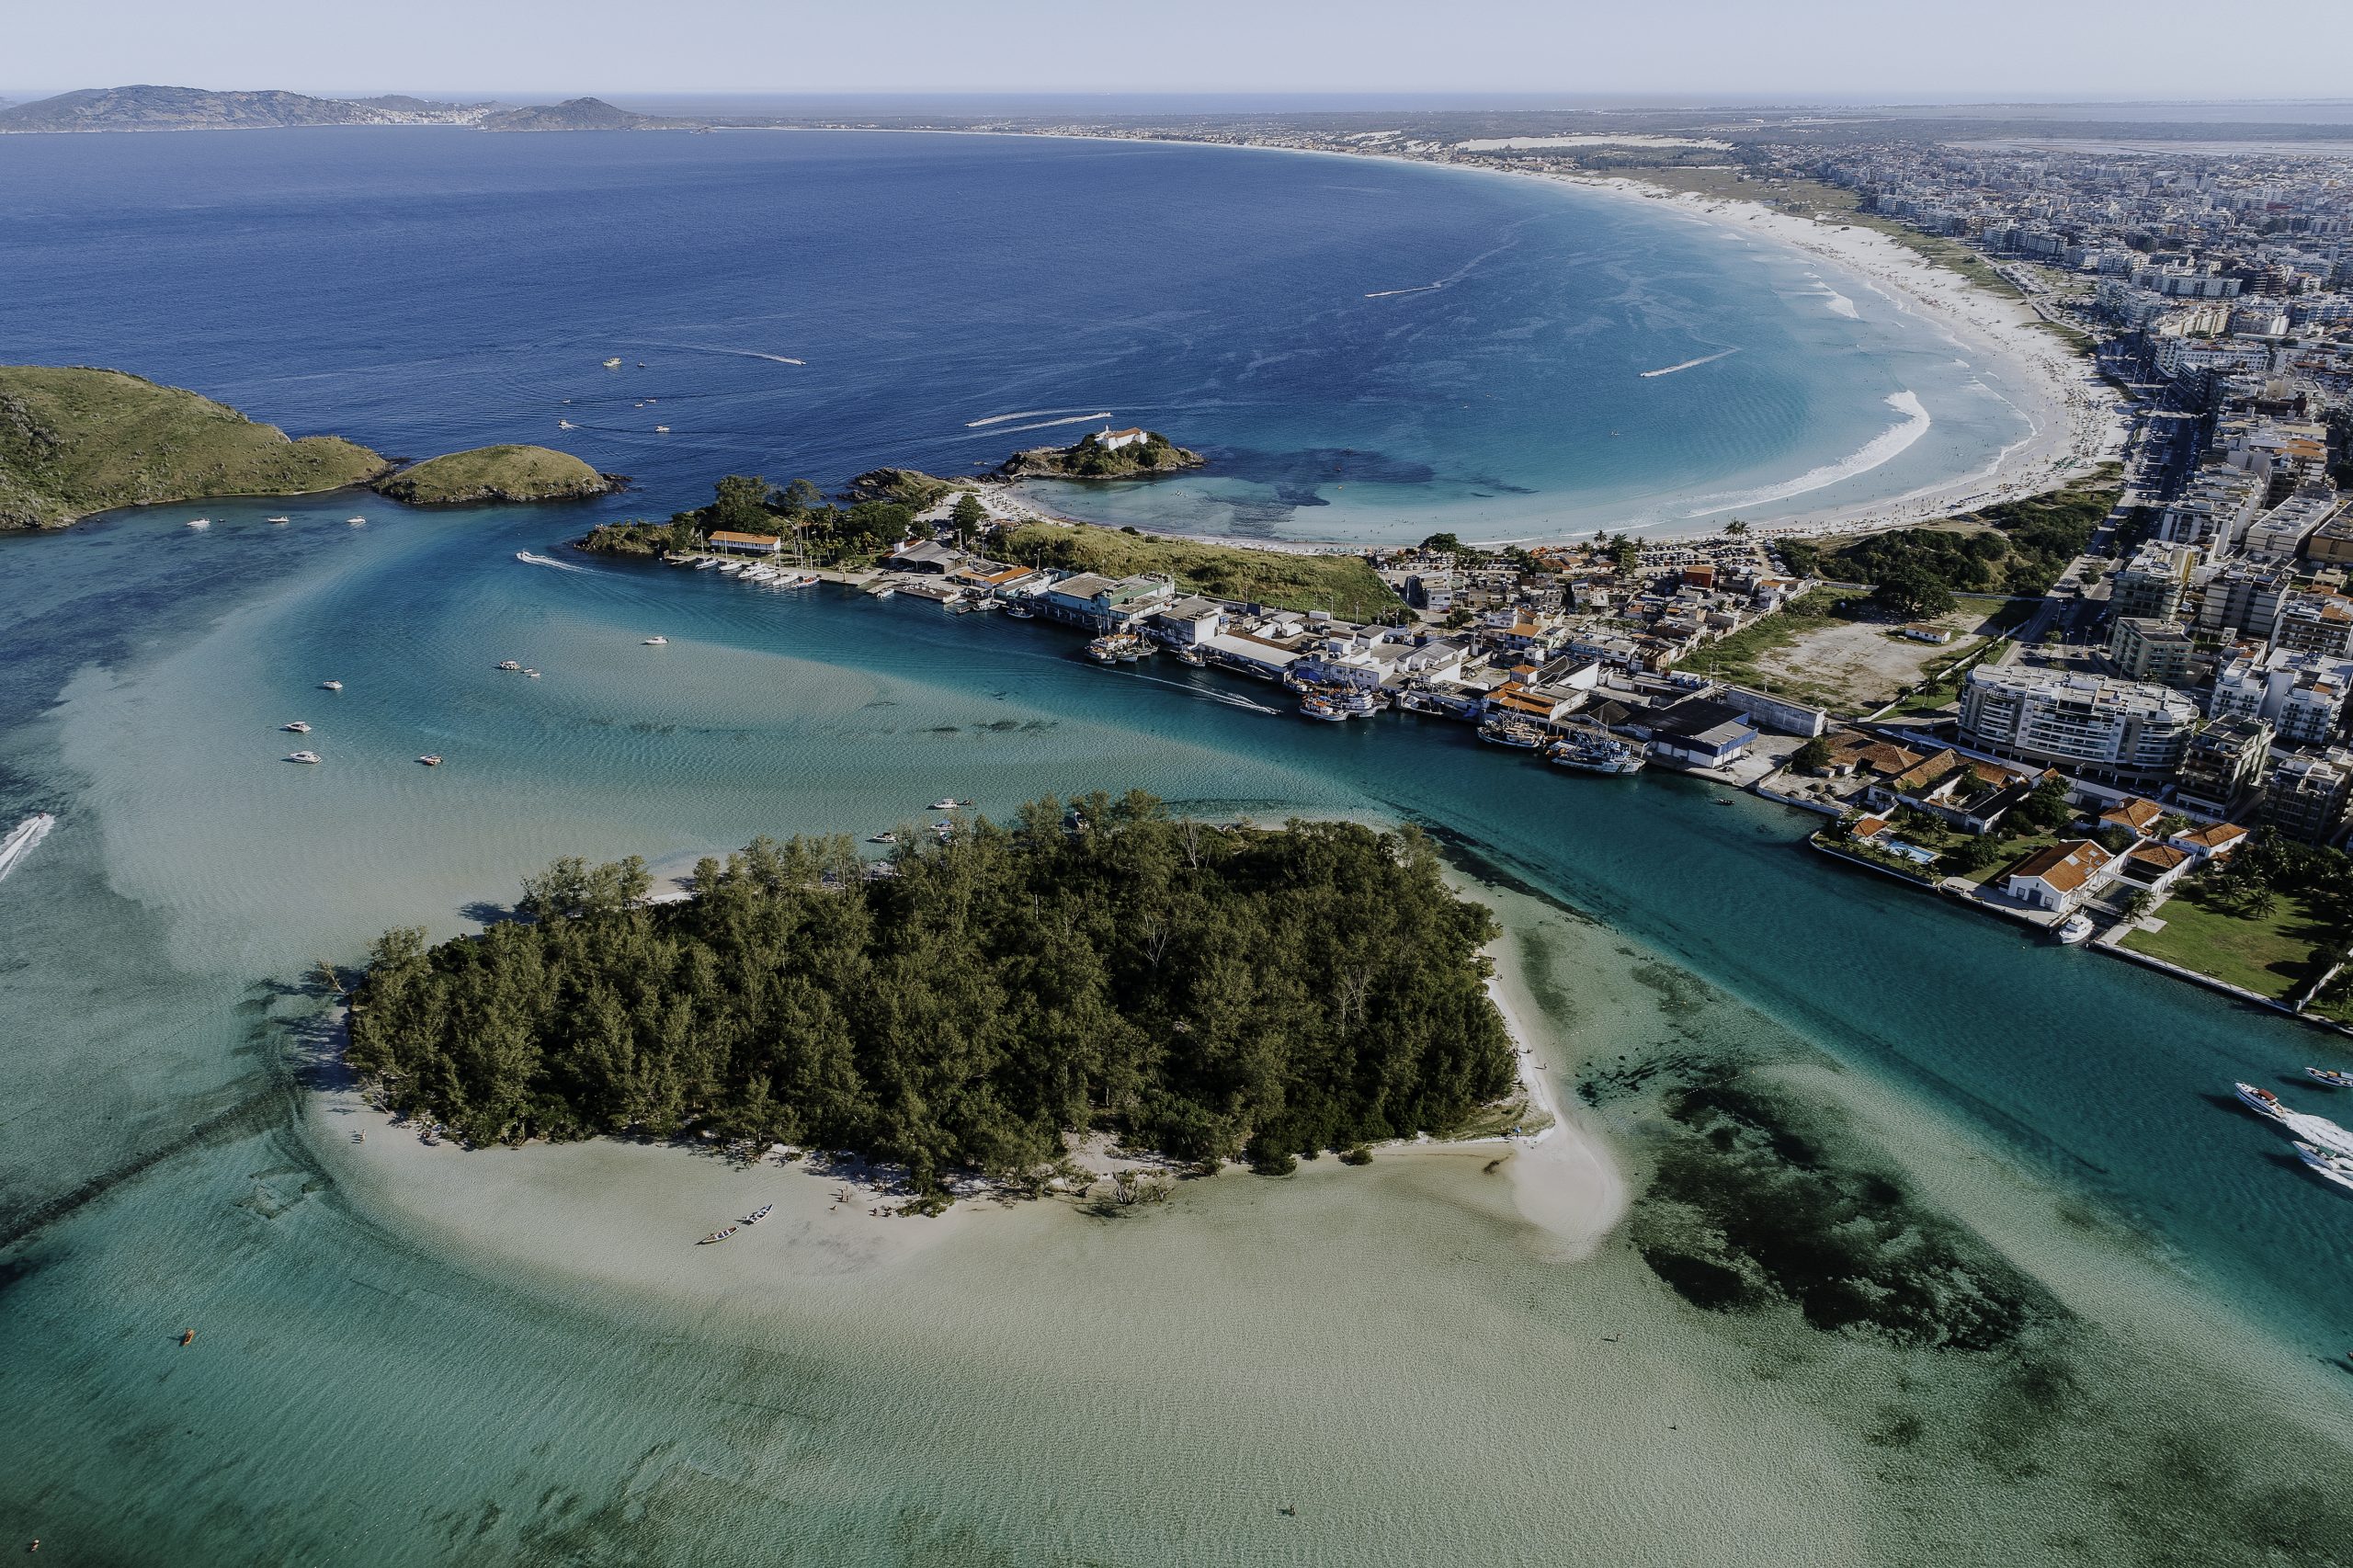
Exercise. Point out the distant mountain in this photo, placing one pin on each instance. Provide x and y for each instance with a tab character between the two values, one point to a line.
198	108
577	114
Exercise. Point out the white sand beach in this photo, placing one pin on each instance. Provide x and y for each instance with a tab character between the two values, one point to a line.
608	1212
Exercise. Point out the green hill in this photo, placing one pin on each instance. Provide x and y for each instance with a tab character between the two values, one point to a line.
77	441
1345	584
495	473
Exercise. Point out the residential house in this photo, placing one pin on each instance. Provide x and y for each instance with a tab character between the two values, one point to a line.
2059	876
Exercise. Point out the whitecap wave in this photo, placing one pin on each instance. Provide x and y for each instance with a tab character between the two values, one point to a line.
1881	448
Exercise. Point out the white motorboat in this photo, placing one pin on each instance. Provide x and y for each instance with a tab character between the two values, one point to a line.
200	522
510	664
2077	928
2263	1102
430	760
329	685
657	641
302	756
614	363
22	839
277	520
2330	1167
532	674
661	429
357	522
298	727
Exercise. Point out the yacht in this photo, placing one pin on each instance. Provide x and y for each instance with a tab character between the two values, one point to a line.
302	756
200	522
2077	927
2332	1168
2331	1076
1591	753
297	727
658	641
715	1235
510	664
430	760
329	685
2263	1102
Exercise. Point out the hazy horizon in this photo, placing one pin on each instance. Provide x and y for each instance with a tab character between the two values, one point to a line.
1692	53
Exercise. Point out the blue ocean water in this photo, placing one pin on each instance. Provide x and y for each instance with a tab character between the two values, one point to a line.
437	290
359	1394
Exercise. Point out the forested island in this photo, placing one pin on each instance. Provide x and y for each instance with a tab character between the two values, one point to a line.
1212	993
494	475
1142	454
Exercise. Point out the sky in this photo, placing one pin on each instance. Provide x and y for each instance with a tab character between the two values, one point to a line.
1688	50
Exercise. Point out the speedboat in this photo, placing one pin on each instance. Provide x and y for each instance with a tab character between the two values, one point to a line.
949	804
2332	1168
614	363
277	520
302	756
657	641
2331	1076
2263	1102
882	838
2077	928
716	1236
357	522
661	429
200	522
430	760
564	425
329	685
297	727
756	1215
510	664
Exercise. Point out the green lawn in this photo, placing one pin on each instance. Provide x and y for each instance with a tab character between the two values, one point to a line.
1345	584
2271	956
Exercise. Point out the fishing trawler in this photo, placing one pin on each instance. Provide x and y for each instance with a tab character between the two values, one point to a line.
1503	731
1594	752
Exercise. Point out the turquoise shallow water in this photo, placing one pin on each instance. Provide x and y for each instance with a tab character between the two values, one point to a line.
1390	1351
1385	1350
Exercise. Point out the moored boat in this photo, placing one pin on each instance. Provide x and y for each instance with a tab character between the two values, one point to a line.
430	760
297	727
1596	753
756	1215
2077	928
1315	707
329	685
302	756
1517	734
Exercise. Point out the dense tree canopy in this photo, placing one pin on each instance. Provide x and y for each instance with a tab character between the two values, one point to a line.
1210	992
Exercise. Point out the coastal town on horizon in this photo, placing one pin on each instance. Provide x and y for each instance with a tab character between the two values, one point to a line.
1738	702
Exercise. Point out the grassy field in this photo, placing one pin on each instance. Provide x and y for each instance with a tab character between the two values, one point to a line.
2271	956
1733	657
1344	584
495	473
78	441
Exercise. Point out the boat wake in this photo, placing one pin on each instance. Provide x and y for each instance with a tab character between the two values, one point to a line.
22	839
1025	413
738	353
1045	423
1392	293
1230	699
528	559
1691	364
1881	448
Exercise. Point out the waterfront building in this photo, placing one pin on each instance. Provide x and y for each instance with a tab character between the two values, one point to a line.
1700	732
1111	441
2154	866
730	543
2116	729
2059	876
2133	815
926	555
1191	620
2213	841
1103	603
2222	766
2308	793
2151	650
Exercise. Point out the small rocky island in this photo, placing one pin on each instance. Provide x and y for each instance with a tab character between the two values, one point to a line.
497	473
74	441
1105	454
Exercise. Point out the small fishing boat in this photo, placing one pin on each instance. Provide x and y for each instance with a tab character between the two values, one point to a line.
2331	1076
1192	656
1516	733
302	756
188	1337
1019	611
510	664
298	727
329	685
1322	708
430	760
564	425
200	522
657	641
716	1236
756	1215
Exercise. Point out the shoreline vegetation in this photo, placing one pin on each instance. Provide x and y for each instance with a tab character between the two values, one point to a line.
1205	993
75	440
